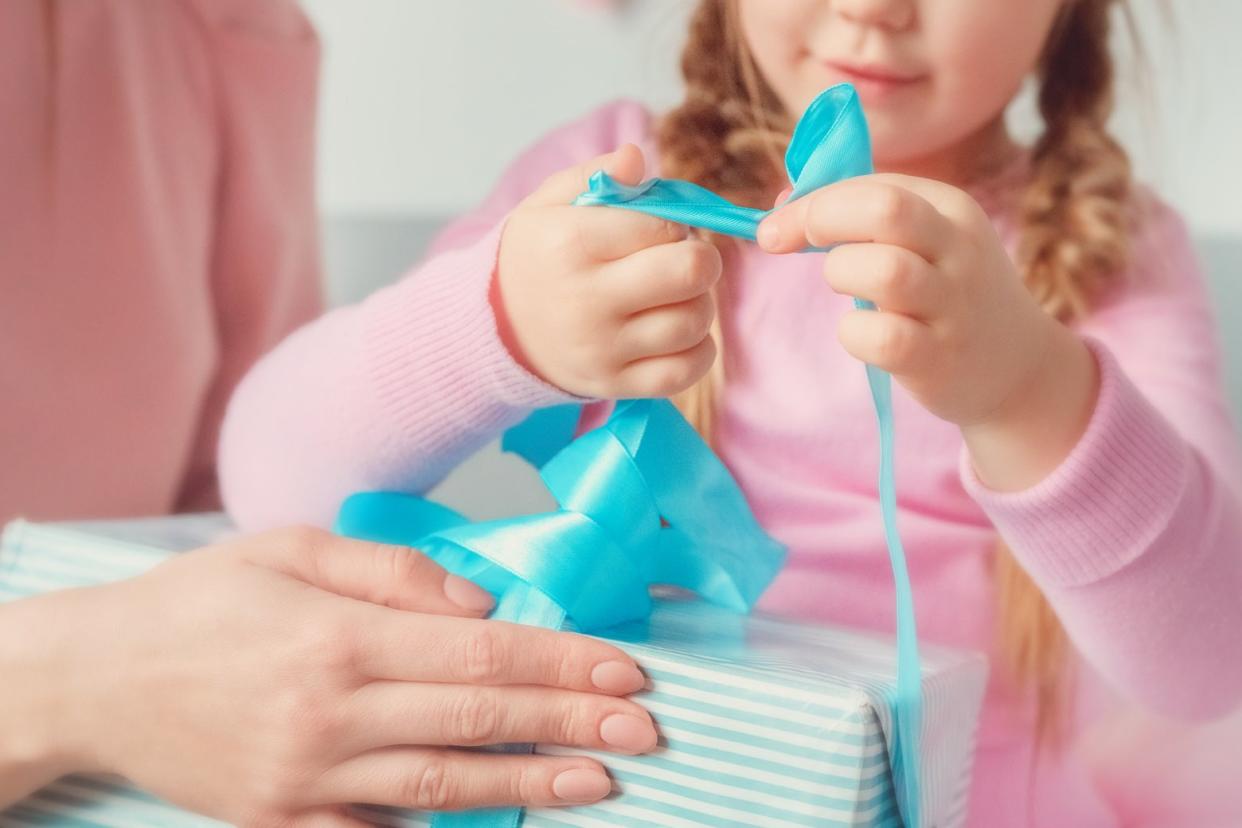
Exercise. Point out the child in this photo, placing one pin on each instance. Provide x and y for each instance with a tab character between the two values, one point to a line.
1042	315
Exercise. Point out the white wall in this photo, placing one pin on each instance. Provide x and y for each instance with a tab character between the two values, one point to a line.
424	102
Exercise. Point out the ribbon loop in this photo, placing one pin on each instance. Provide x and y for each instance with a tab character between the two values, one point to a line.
643	501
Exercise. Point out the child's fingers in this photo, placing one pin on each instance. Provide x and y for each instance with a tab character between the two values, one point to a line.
661	275
664	376
667	330
604	234
889	341
625	164
858	210
892	277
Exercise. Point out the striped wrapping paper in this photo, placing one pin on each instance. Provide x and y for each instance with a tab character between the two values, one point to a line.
763	721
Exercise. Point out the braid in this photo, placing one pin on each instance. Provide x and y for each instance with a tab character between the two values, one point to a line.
1074	213
1075	228
729	135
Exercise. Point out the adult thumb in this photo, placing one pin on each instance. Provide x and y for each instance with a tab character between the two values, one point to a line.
328	818
393	576
625	164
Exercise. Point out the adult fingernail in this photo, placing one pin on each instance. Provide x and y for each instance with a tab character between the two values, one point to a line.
627	732
467	594
581	785
768	236
617	677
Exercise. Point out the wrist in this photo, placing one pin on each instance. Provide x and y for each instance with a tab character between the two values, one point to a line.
38	716
504	326
1039	424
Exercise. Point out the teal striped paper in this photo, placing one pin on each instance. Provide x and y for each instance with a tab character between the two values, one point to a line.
763	721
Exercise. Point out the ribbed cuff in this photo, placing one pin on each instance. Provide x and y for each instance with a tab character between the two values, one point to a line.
435	354
1107	502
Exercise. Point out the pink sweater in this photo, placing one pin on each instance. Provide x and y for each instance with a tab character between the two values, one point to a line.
1134	538
157	234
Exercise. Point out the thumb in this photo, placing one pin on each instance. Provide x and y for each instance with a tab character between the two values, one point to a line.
391	576
626	165
329	818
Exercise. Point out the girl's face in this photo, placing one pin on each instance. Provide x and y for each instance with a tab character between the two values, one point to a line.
934	76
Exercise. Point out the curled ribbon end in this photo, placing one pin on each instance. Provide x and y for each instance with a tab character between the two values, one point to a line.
603	190
830	142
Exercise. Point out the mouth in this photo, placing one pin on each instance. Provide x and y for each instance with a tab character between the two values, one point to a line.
874	79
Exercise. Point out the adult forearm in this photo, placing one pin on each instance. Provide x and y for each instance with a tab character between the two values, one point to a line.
35	663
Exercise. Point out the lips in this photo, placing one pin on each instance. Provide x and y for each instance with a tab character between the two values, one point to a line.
874	78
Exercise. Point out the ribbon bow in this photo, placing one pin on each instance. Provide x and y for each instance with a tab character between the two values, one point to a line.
642	499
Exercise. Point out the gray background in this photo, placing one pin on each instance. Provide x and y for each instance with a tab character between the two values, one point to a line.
425	103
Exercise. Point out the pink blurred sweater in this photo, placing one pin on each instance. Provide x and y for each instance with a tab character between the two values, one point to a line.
157	234
1135	537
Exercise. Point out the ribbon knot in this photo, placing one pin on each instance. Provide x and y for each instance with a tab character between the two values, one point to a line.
829	143
643	501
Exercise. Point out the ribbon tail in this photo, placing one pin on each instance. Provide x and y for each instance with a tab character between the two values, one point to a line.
677	201
907	709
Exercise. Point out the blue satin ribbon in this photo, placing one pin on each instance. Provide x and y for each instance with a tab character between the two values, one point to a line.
642	499
830	143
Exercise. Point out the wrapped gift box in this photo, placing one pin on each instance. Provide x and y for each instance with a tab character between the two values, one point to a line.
763	721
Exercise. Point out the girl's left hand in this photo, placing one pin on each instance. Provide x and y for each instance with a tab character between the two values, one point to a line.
955	326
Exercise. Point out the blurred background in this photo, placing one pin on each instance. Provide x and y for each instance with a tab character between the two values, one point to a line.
423	104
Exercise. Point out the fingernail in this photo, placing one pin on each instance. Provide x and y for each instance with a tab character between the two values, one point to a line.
768	236
617	677
581	785
629	733
467	594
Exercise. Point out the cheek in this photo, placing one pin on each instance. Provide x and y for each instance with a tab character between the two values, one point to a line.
979	52
982	59
776	32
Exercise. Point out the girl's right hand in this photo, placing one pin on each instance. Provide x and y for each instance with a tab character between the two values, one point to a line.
273	679
604	303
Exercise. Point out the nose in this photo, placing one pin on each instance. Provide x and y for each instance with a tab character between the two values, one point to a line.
886	14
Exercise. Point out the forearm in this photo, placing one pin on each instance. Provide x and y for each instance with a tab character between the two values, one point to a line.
1133	537
389	394
1037	428
36	663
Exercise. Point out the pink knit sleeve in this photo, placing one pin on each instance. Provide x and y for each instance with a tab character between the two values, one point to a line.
394	392
1136	538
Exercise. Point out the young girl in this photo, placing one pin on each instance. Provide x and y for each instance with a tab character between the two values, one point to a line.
1068	473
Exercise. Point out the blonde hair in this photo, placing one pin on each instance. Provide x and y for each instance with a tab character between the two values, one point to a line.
730	132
